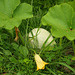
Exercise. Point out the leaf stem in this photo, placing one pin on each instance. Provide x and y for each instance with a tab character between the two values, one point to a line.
60	43
26	32
73	45
22	40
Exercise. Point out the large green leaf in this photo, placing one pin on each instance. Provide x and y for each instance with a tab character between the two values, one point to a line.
23	11
72	3
62	20
8	6
12	13
10	23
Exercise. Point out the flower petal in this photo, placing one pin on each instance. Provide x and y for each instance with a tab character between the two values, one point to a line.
39	62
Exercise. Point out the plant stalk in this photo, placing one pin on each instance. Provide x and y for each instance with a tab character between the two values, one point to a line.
73	45
18	35
60	43
21	38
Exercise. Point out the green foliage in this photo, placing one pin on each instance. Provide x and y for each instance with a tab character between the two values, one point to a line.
12	13
62	19
23	50
73	58
18	59
72	3
63	1
7	52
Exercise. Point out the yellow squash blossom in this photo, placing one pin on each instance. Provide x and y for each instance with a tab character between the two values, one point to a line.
40	63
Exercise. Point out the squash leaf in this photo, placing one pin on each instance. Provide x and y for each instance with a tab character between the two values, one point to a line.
72	3
23	11
62	20
12	13
7	7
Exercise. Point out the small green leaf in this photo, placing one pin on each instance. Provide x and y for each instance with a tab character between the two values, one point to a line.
1	53
1	58
13	60
23	50
1	65
7	52
15	46
20	73
73	58
26	60
21	61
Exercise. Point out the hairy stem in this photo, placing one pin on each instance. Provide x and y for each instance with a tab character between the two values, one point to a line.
60	43
21	38
73	45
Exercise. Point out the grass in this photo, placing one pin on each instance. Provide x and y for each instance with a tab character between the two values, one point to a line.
16	59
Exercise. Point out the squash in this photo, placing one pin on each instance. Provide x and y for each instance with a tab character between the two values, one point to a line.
37	37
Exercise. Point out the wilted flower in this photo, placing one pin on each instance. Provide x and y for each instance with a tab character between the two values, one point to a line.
40	63
16	30
16	38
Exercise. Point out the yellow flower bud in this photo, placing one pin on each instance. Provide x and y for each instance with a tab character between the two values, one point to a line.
39	62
